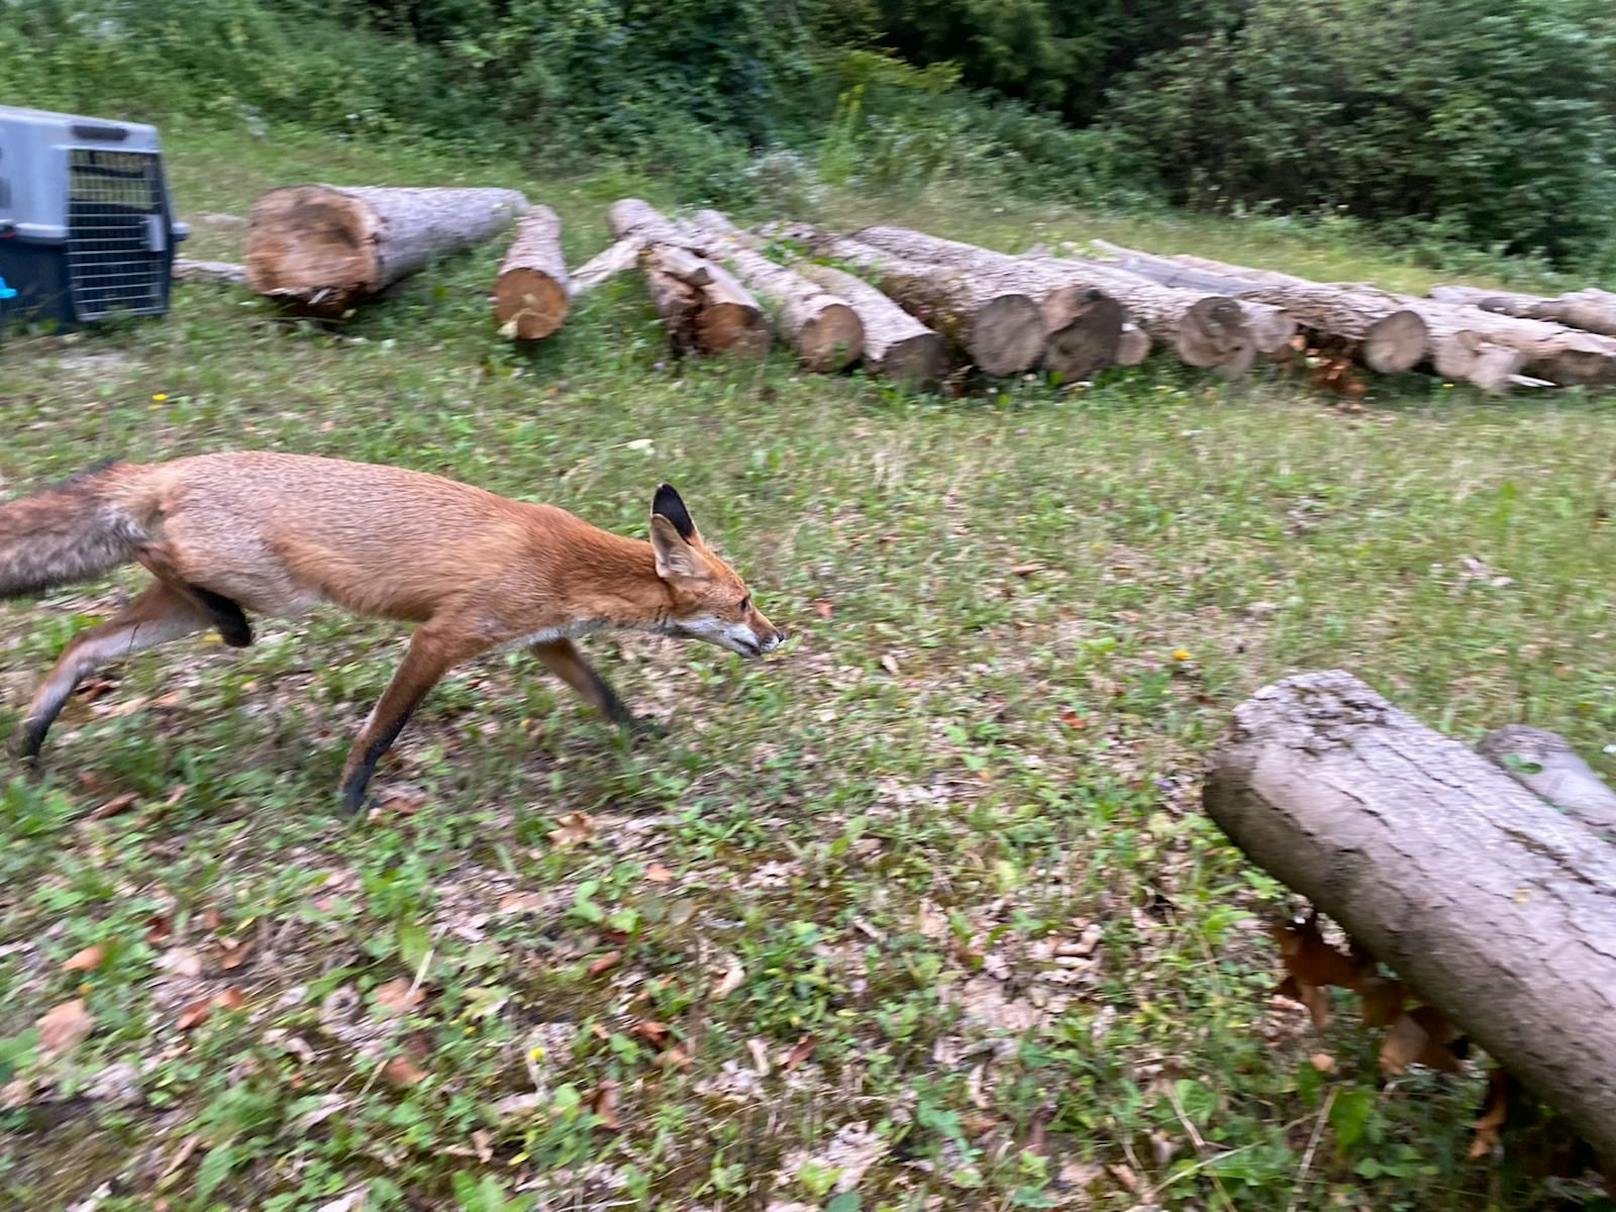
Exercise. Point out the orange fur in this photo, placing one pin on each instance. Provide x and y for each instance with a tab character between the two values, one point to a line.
275	534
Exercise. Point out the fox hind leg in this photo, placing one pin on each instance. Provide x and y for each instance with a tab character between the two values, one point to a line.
157	615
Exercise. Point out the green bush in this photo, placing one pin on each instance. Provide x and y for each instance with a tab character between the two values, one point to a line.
1489	121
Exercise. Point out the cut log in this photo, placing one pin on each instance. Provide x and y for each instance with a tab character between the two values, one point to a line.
531	294
610	261
1083	315
1592	310
320	249
225	272
1389	336
999	328
1133	347
1567	356
896	345
702	307
1546	765
1494	907
701	304
821	327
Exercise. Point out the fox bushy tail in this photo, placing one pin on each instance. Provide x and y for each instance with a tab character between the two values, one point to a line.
69	532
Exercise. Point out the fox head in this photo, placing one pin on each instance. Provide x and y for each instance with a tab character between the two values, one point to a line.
710	602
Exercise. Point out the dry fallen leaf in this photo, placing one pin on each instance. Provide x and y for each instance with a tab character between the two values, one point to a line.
233	954
730	981
88	960
1125	1176
195	1014
401	1073
62	1028
397	996
604	1105
114	806
676	1057
1323	1062
890	664
652	1032
573	829
1493	1114
231	999
824	607
522	902
210	920
606	963
656	873
800	1051
1026	570
482	1142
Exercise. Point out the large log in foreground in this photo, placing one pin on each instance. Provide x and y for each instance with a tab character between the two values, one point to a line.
320	249
532	294
1496	908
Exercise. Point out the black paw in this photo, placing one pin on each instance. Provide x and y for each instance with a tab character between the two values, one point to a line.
28	740
645	727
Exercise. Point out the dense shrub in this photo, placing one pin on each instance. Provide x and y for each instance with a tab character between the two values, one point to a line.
1487	122
1490	121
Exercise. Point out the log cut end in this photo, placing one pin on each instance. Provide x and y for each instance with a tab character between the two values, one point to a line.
1085	328
530	302
830	340
1006	335
1395	343
1133	346
920	360
313	246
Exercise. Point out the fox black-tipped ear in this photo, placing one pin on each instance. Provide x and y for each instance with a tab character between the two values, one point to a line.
668	504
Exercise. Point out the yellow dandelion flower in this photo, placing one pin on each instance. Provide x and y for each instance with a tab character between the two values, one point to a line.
1181	654
159	396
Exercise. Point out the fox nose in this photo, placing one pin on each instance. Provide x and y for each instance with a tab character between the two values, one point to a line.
775	640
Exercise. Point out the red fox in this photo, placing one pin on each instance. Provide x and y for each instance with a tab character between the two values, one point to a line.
274	534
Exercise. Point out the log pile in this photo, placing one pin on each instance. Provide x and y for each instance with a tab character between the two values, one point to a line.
916	307
1487	883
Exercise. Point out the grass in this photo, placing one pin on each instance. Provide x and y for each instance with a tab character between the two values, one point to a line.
873	846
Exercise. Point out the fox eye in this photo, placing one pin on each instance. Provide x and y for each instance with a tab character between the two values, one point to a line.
746	604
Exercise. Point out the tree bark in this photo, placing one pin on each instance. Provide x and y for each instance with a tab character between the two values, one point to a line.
702	306
226	272
896	345
1495	908
1390	337
532	293
1567	356
1083	317
607	263
825	332
1592	310
998	327
320	249
1546	765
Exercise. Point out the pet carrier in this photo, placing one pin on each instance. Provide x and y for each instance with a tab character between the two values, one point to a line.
86	230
